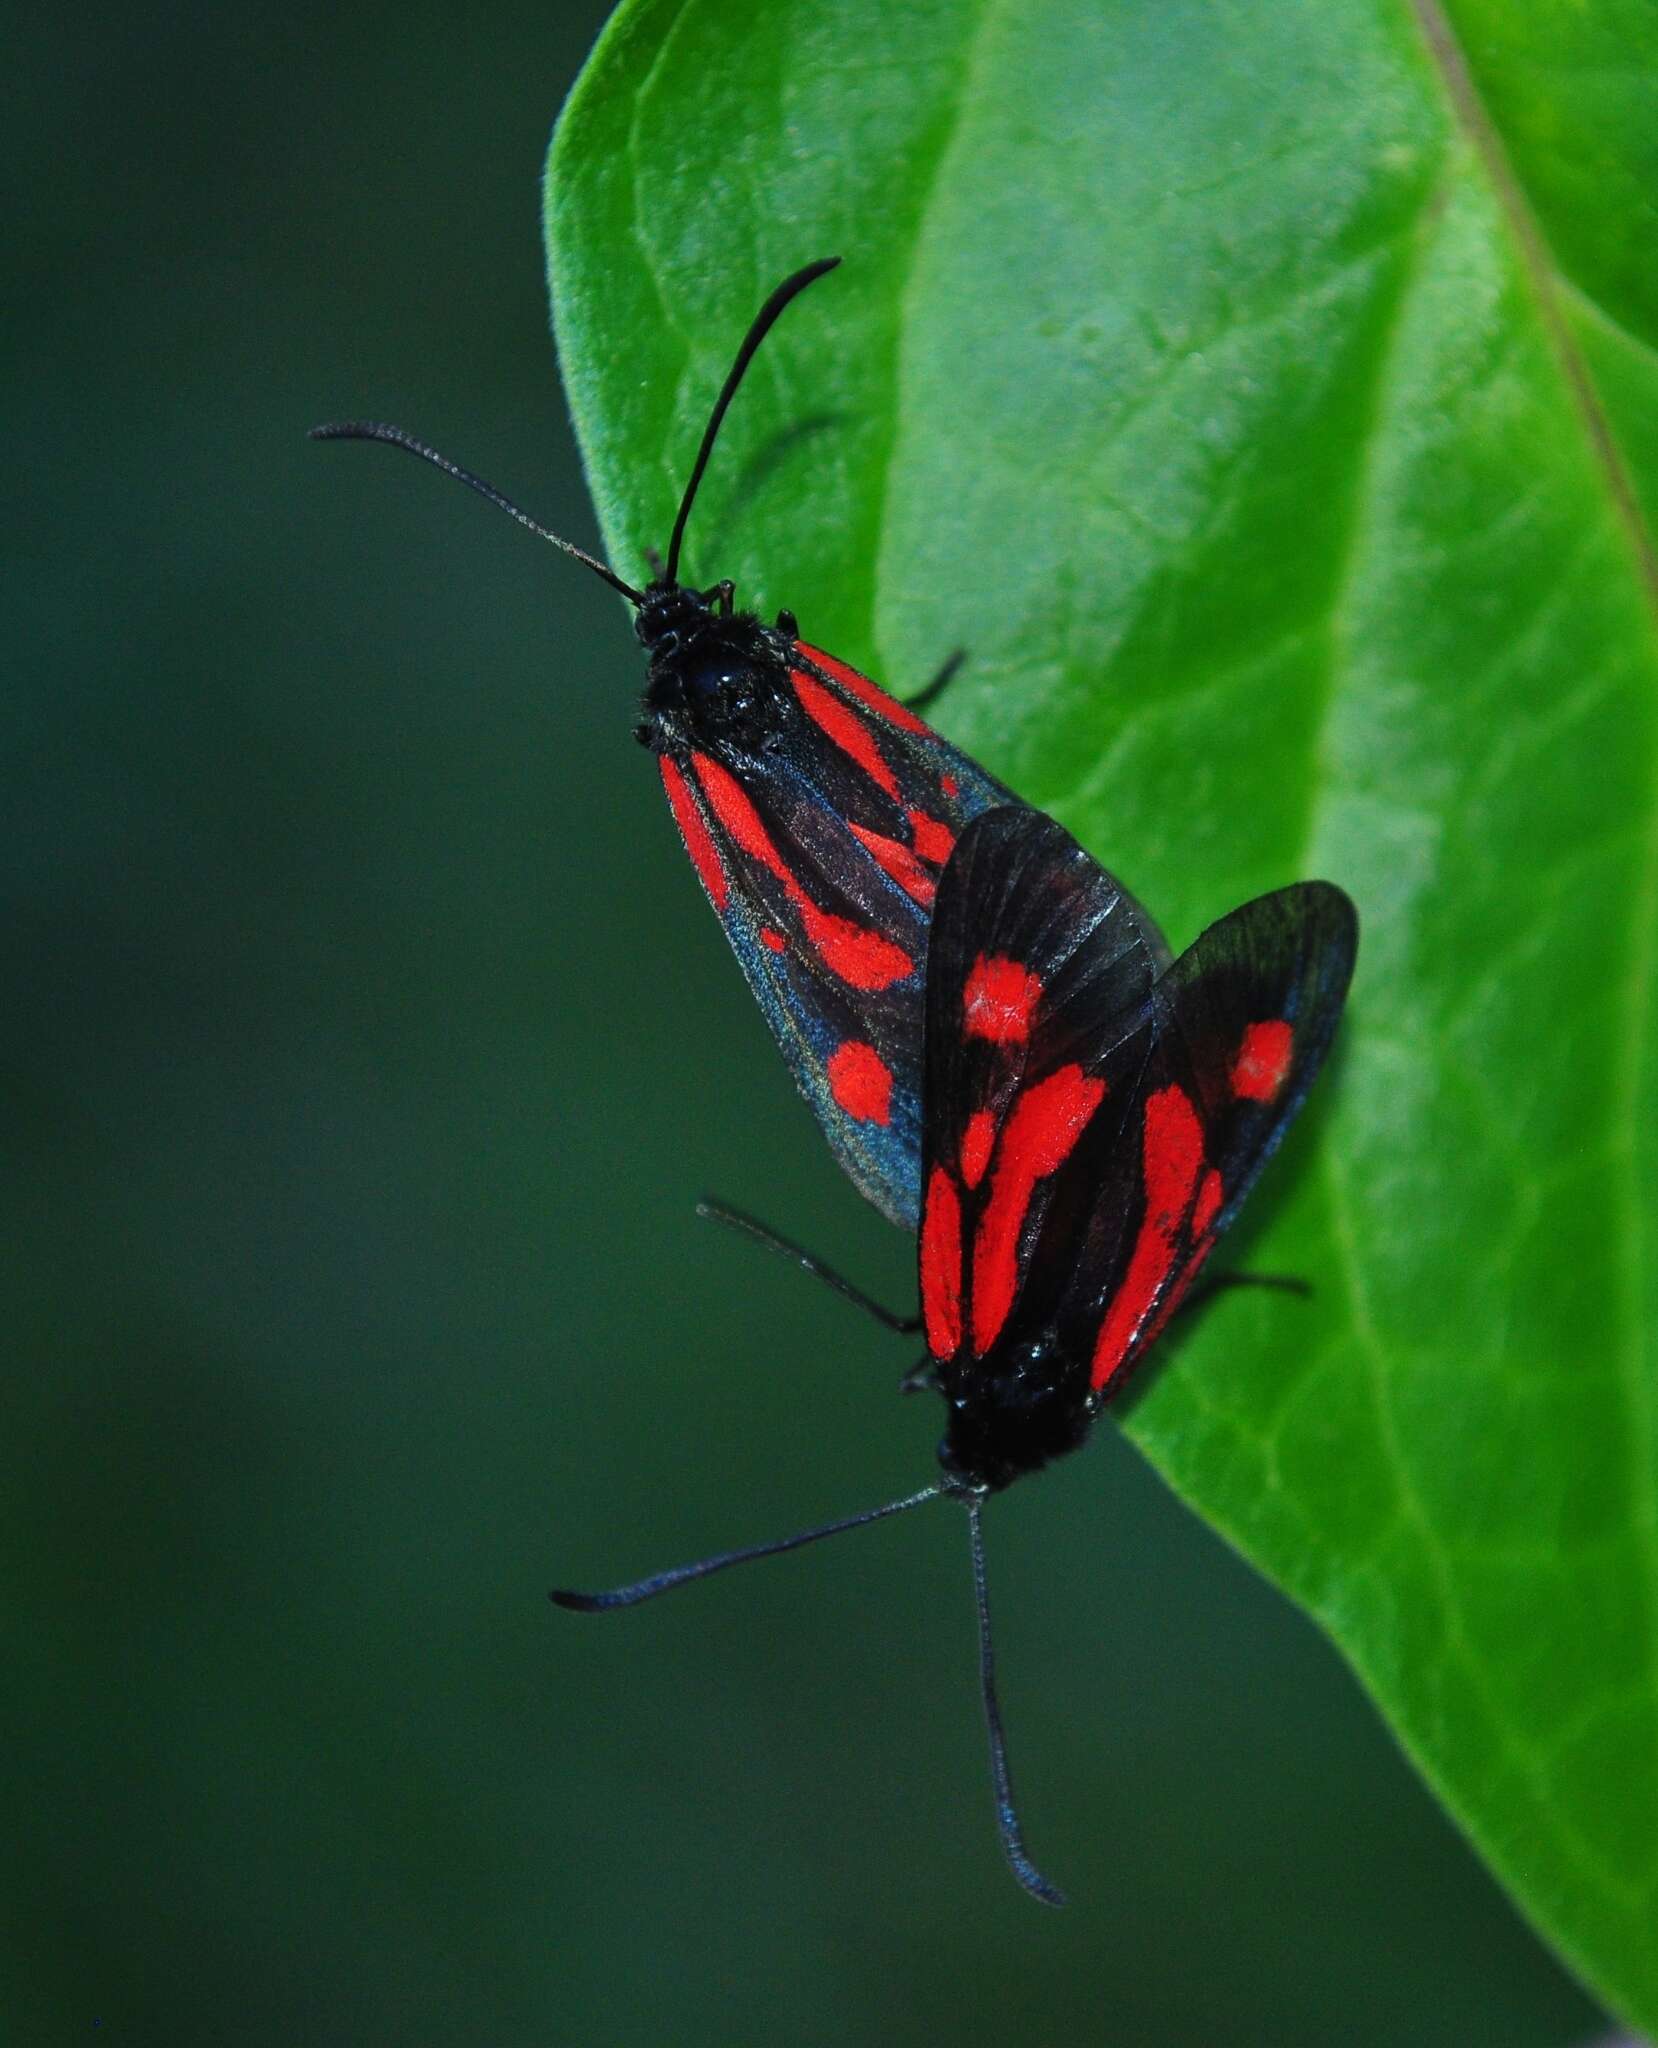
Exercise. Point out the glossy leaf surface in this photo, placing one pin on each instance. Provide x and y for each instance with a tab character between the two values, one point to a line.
1266	398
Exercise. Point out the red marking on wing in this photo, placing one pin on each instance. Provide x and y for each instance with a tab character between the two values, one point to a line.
897	861
773	941
1173	1159
1037	1139
1263	1061
847	730
861	1082
949	785
998	1000
698	844
862	958
933	841
1208	1207
941	1265
865	691
976	1141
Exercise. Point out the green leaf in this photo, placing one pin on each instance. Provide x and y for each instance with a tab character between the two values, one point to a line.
1266	397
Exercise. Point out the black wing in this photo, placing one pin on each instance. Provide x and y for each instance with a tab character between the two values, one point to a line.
1237	1030
820	848
1039	968
1081	1160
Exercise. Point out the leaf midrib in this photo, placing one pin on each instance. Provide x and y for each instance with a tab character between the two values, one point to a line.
1546	280
1543	272
1545	276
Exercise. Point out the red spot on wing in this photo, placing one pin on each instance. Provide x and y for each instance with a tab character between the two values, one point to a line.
941	1265
1038	1137
1172	1161
862	958
1263	1061
933	841
773	941
861	1082
998	1000
698	843
847	730
897	861
976	1141
865	691
949	785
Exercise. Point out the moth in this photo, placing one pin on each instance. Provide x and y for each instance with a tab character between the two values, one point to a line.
1092	1122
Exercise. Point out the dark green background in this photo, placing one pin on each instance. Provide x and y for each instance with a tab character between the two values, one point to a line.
367	1046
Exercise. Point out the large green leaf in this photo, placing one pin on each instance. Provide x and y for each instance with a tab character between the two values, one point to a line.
1266	397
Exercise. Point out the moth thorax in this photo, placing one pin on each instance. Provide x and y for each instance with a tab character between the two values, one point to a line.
1012	1413
718	681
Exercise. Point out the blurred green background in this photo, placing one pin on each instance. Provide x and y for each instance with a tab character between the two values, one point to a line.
369	1044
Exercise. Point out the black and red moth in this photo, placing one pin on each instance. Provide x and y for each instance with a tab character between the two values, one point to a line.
1092	1124
818	812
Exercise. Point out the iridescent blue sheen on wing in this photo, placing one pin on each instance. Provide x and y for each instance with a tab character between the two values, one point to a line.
819	830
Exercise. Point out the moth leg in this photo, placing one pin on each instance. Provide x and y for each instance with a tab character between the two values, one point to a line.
922	1378
939	684
1280	1283
749	1226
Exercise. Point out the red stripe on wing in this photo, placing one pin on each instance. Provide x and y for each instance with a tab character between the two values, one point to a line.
1208	1208
847	730
1038	1138
940	1260
865	691
699	845
897	861
1173	1160
861	957
976	1141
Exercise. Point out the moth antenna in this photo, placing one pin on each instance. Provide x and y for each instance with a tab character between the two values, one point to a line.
1007	1815
763	322
682	1574
396	437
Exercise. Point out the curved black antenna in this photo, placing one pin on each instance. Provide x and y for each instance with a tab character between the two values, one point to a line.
1007	1815
396	437
764	321
682	1574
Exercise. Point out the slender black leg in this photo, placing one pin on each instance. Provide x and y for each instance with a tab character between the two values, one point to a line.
1207	1289
749	1226
939	684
